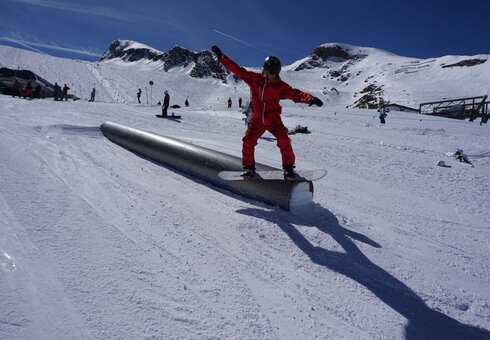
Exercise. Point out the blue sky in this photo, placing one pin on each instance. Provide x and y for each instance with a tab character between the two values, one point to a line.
248	30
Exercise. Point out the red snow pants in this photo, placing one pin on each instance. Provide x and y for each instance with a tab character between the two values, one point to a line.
256	129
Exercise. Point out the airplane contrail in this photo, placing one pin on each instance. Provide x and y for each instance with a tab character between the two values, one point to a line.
241	41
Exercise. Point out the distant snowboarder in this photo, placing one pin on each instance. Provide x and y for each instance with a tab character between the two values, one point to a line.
166	103
139	96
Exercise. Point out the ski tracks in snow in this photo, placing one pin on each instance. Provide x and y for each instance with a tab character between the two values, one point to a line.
108	84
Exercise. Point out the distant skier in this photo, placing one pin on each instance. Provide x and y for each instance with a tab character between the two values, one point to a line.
240	102
186	102
92	95
166	103
139	96
229	103
267	89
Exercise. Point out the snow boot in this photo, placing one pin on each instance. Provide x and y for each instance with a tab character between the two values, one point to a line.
289	172
248	172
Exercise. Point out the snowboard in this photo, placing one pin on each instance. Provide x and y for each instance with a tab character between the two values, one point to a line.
172	116
273	175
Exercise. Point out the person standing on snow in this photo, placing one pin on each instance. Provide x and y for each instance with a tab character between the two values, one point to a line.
56	92
16	89
382	113
166	103
65	92
28	91
92	95
267	89
139	96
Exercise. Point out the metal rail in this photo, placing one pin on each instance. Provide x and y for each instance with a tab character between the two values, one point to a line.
203	163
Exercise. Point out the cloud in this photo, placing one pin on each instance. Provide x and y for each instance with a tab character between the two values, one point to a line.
111	13
106	12
30	45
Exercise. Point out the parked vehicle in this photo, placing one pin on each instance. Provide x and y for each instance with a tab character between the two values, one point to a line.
9	76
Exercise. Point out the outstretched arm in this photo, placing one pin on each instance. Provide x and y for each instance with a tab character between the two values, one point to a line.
231	66
299	96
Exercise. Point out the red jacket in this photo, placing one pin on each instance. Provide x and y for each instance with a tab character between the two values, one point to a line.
265	93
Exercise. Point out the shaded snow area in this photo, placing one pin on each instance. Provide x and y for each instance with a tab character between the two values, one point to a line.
97	242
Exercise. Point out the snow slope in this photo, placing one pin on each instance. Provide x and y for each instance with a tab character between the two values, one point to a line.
99	243
402	80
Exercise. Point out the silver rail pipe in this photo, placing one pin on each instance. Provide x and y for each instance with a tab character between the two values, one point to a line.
204	164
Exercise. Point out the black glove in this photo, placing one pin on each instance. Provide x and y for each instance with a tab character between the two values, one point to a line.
315	101
217	51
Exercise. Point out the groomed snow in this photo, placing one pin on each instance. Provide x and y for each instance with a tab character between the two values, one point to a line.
97	242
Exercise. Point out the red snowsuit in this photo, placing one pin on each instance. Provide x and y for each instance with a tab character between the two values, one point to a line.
266	111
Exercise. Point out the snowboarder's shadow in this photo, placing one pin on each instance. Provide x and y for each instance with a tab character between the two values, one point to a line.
423	322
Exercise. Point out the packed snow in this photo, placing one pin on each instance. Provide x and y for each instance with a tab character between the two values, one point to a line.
97	242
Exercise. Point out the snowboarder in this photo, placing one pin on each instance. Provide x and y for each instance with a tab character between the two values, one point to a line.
267	89
166	103
240	102
186	102
229	103
92	95
65	92
139	96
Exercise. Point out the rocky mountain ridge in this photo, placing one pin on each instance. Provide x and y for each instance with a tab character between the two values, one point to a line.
205	65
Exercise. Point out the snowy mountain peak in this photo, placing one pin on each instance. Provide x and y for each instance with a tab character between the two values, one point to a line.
128	50
328	53
338	51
